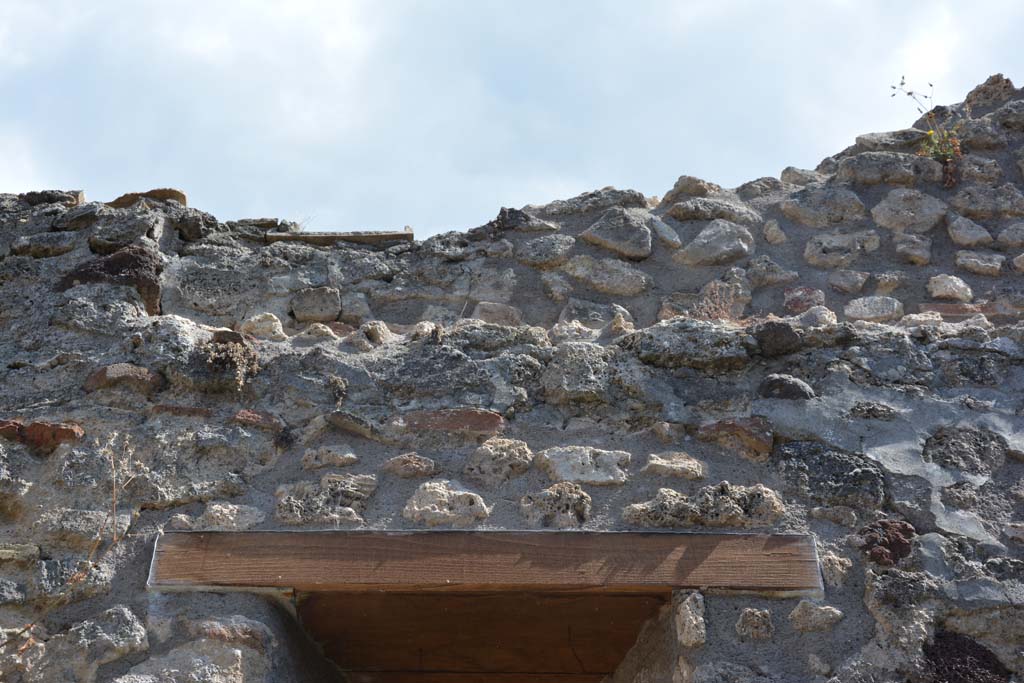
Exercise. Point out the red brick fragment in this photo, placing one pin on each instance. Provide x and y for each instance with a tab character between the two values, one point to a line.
259	420
887	541
12	430
467	422
46	436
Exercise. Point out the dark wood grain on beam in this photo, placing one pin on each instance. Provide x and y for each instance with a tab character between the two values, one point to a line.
453	561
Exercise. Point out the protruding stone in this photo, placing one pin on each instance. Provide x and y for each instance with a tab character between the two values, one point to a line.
720	505
892	168
711	209
1011	237
966	233
905	210
785	387
755	624
674	464
584	465
980	263
807	616
547	251
622	231
777	338
981	201
665	233
848	281
410	466
799	299
720	242
336	499
125	375
889	281
337	455
875	309
823	207
446	503
749	437
764	272
688	186
949	287
563	505
44	245
264	326
913	249
800	176
688	617
316	304
608	276
773	234
498	460
839	250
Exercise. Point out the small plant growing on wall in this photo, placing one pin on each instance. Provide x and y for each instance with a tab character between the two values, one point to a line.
943	135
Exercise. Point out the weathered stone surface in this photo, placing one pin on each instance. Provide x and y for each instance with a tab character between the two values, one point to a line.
807	616
622	231
690	343
264	326
44	245
830	475
127	376
547	251
892	168
966	233
711	209
874	309
949	287
824	207
764	272
469	423
982	202
799	299
688	186
410	466
596	200
221	516
584	465
720	242
316	304
134	266
968	449
688	617
848	281
784	387
1012	237
773	233
839	250
905	210
498	460
721	505
337	455
608	276
980	263
913	249
562	505
886	541
674	464
337	499
665	233
578	372
800	176
748	437
755	624
445	503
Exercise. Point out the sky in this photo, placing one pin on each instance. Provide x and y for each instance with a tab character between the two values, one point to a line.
434	114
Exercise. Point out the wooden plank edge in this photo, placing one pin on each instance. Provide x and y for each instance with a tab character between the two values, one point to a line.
169	586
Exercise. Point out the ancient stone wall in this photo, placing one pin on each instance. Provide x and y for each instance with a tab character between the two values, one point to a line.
835	352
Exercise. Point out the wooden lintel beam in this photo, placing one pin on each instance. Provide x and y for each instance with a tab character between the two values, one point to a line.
484	561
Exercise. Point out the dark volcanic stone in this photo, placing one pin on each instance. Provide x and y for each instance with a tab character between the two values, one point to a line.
785	387
866	410
887	541
954	658
135	266
971	450
830	475
777	339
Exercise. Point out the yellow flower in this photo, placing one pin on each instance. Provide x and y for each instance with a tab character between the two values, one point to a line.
931	132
